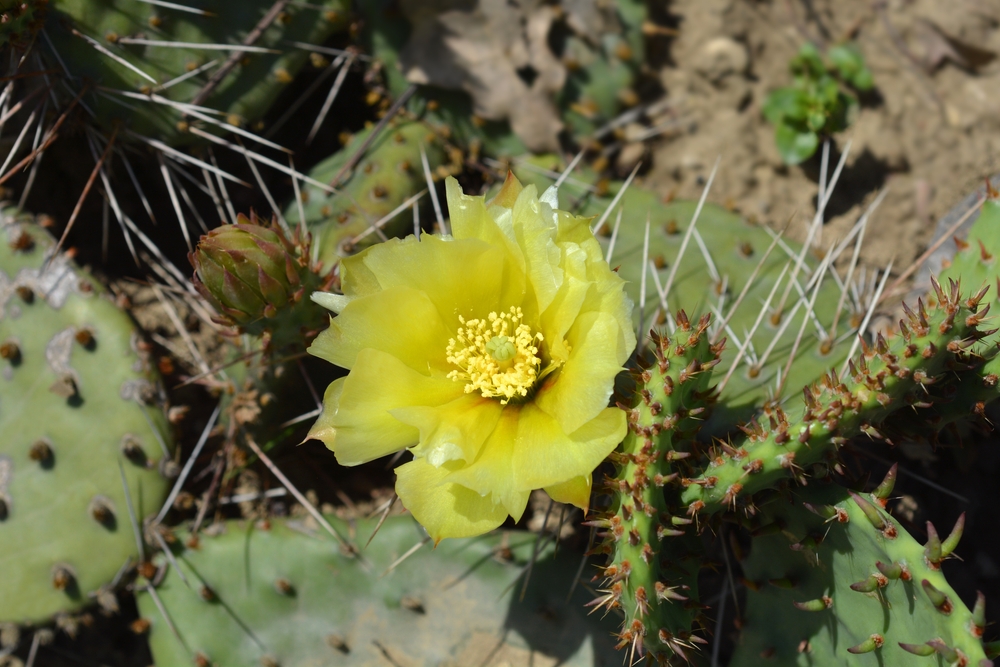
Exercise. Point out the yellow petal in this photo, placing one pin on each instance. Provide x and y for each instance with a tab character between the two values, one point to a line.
443	508
606	296
574	492
323	429
580	390
563	310
453	431
471	218
400	320
356	279
576	229
545	455
492	473
508	193
536	236
356	423
607	291
461	277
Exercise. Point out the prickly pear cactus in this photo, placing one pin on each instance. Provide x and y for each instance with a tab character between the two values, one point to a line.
601	72
389	173
942	359
137	47
938	366
597	47
78	427
653	565
278	594
854	582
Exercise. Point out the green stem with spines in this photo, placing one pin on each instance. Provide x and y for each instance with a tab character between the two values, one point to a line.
651	575
907	370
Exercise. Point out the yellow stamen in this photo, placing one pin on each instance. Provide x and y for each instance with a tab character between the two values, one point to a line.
498	356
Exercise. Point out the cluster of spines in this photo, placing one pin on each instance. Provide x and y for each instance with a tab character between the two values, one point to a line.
905	370
651	577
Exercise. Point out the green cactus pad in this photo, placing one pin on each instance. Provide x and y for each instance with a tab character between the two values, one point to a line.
243	95
284	595
811	604
975	261
73	384
603	68
389	172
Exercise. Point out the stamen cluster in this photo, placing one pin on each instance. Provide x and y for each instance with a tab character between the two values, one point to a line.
497	356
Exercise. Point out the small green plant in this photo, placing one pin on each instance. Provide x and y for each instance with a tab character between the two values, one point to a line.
819	102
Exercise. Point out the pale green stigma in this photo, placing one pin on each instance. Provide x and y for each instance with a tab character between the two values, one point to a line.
501	348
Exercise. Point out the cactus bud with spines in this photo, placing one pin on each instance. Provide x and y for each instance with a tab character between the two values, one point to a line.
256	278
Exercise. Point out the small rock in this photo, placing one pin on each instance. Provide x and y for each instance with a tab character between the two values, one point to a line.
720	57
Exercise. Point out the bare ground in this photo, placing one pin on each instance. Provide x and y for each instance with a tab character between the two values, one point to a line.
929	135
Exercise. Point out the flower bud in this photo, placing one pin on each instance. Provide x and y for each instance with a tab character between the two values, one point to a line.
248	272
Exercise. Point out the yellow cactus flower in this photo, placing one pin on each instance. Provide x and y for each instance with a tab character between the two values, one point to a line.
490	354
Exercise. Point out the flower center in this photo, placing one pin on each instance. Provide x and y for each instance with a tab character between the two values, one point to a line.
497	356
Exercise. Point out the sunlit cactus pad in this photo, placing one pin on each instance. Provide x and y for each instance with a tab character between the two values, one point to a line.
73	406
841	591
285	595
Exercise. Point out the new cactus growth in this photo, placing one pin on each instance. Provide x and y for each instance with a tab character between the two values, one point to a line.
278	594
83	445
903	371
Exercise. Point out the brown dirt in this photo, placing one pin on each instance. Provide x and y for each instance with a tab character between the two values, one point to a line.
928	137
